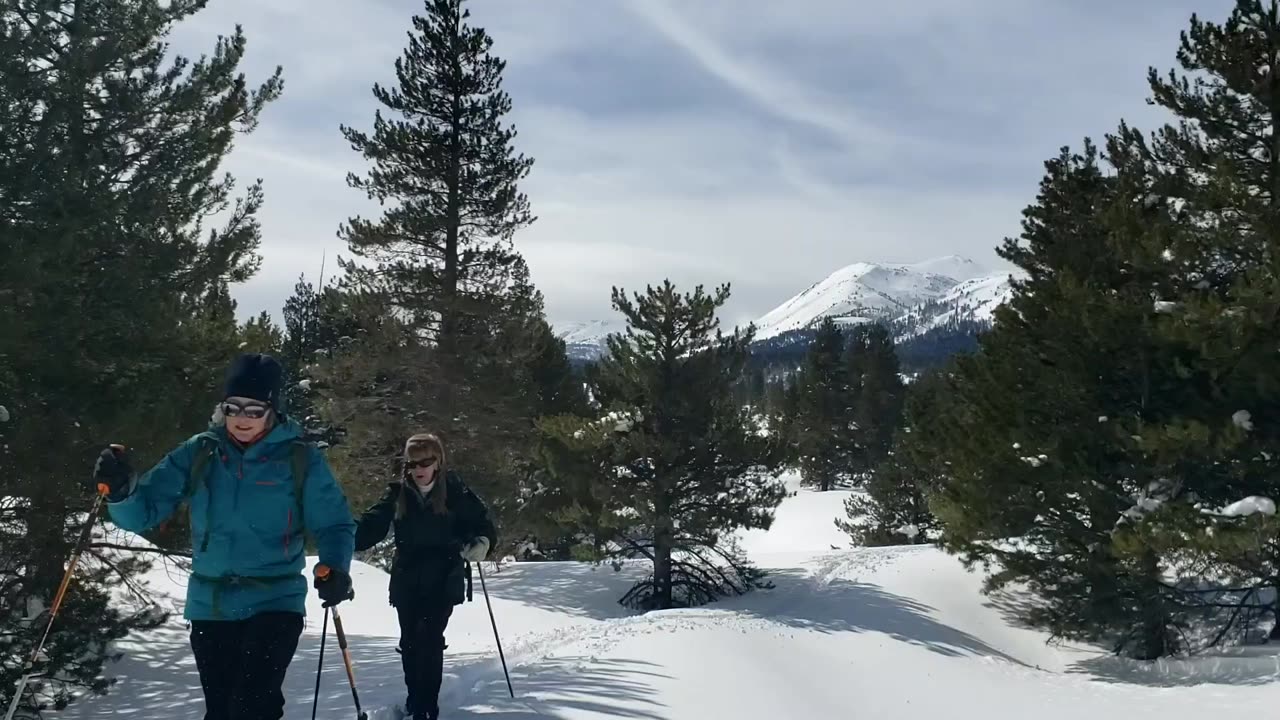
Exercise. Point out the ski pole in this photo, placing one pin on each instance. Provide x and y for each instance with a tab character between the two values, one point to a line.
324	632
85	534
322	572
494	623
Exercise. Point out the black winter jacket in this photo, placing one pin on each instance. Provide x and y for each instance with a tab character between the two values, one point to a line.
427	568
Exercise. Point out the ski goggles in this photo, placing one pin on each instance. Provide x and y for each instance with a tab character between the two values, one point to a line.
424	463
253	412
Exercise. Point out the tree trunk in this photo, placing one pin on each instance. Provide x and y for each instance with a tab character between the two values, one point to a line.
449	320
1275	629
663	540
662	596
1154	642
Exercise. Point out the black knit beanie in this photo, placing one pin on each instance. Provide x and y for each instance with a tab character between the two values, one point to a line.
256	376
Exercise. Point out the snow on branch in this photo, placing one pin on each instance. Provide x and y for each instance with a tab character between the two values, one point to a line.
1251	505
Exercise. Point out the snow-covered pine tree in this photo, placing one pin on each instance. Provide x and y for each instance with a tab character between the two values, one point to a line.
676	466
1210	240
109	172
822	426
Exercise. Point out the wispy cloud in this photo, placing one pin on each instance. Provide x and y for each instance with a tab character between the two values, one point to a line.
784	97
762	144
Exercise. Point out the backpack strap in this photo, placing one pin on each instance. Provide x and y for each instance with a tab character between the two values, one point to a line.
299	459
205	448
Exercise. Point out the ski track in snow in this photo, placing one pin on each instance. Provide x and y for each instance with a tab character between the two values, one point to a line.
897	632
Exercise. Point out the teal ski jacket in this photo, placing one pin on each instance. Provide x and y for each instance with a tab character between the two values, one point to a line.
247	522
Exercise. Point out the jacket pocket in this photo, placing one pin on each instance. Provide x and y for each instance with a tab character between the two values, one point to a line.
270	517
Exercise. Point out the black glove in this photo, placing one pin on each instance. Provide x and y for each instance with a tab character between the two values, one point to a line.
334	587
113	470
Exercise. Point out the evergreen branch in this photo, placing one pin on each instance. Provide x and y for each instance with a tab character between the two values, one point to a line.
717	569
125	577
131	548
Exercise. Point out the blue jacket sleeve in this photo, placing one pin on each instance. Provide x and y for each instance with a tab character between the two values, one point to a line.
154	495
327	516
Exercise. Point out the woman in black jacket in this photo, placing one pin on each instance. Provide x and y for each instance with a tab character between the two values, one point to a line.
439	524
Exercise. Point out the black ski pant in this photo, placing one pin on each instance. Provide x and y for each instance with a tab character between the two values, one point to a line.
422	627
242	664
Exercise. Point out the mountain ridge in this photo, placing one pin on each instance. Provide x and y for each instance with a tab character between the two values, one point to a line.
913	298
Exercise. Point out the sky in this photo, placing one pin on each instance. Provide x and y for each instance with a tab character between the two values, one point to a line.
748	142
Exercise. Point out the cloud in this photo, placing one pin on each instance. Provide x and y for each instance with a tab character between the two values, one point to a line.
761	144
781	96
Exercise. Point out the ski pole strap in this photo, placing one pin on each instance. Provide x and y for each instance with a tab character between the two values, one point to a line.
222	582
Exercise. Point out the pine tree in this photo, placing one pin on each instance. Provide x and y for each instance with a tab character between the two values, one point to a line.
893	511
676	465
875	396
560	389
774	401
757	388
390	382
261	334
443	252
316	325
1210	239
1039	427
823	418
109	162
895	507
443	259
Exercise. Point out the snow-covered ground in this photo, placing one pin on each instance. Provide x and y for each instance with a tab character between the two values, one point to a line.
895	633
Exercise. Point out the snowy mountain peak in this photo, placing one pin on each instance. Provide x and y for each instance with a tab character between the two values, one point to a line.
952	266
868	291
590	331
586	340
924	295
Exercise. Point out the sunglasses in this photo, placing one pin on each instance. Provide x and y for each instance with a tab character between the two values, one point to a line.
423	463
253	412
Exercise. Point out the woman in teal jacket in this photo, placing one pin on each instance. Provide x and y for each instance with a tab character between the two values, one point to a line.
253	487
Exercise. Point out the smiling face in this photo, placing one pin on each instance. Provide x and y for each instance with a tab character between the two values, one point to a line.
247	419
